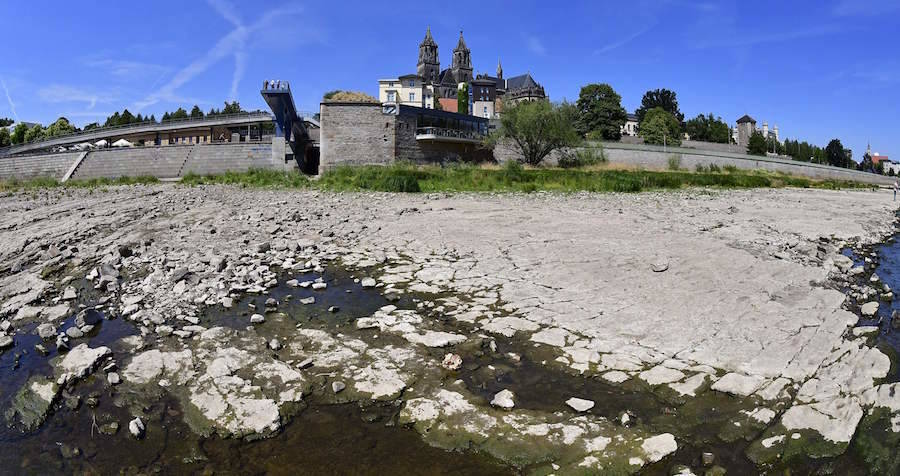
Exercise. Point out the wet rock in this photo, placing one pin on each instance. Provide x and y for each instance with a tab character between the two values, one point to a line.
504	399
109	429
136	428
275	344
79	362
32	402
435	339
88	317
336	387
308	300
62	342
452	361
69	452
271	303
368	282
113	378
707	459
74	333
333	309
257	319
658	447
319	286
580	404
869	309
305	363
6	342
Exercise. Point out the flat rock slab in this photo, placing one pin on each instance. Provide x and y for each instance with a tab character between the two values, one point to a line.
580	404
738	384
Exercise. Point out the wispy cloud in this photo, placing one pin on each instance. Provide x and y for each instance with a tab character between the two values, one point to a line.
624	41
12	105
751	39
848	8
59	93
126	68
536	46
234	43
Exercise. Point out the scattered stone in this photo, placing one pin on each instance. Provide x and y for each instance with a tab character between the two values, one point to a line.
74	333
504	399
275	344
658	447
113	378
69	294
336	387
368	282
257	319
136	428
452	361
333	309
305	363
319	286
579	404
308	300
869	309
6	341
660	267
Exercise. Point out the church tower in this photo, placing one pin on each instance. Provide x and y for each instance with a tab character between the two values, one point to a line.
429	66
462	61
499	69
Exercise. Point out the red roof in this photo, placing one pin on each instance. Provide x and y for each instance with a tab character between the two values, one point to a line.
449	104
879	158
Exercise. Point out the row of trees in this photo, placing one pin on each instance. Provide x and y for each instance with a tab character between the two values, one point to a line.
22	133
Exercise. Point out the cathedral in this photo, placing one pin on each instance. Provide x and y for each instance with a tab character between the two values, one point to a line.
484	87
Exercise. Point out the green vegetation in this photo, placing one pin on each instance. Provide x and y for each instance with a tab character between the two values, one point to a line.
537	128
6	122
251	178
837	155
674	162
5	139
661	128
662	98
757	144
600	112
708	128
462	98
347	96
47	182
583	157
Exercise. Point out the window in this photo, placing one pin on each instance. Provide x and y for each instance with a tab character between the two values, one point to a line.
390	96
485	111
412	97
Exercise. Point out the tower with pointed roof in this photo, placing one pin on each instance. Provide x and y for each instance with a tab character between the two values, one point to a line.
462	61
499	69
429	66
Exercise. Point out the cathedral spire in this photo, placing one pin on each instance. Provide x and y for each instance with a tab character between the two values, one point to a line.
499	69
429	65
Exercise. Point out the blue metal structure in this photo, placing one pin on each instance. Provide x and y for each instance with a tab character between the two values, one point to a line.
288	123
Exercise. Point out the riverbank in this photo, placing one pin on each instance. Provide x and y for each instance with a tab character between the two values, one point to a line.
656	307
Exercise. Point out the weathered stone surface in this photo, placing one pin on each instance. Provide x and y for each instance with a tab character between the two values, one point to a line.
504	399
580	404
79	362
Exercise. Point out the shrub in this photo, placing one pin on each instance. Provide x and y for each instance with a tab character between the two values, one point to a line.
513	171
582	157
674	162
700	168
400	183
714	168
730	168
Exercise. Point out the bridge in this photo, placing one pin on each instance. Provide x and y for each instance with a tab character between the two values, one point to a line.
111	134
292	126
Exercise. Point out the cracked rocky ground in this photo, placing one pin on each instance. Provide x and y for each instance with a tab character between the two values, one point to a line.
586	333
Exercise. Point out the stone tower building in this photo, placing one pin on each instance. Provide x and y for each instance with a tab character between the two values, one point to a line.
429	66
462	62
745	128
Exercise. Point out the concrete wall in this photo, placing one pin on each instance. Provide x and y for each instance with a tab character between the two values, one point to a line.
656	157
355	134
161	162
32	166
217	158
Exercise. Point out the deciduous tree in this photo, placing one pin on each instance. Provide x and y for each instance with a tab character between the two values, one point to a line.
663	98
600	111
537	128
660	127
757	144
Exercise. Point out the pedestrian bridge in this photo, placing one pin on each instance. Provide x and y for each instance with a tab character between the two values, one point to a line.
298	130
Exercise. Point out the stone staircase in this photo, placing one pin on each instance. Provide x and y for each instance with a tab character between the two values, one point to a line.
160	162
31	166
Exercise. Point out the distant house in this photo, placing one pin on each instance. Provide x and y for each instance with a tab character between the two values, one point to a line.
746	126
449	104
631	126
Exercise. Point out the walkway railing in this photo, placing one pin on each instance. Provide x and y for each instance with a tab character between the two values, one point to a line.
448	134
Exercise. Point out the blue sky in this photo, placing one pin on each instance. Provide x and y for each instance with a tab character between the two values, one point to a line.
817	69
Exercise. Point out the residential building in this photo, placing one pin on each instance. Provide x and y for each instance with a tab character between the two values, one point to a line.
631	126
746	126
409	90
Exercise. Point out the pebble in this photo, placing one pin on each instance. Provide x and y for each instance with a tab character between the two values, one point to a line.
580	404
275	344
504	399
305	364
308	300
257	319
113	378
452	361
368	282
336	387
6	341
334	309
319	286
136	428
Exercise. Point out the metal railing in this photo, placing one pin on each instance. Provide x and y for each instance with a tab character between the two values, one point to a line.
450	133
138	125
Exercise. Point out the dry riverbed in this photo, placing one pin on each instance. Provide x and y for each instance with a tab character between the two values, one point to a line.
691	331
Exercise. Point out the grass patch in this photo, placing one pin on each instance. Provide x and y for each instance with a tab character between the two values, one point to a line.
49	182
511	177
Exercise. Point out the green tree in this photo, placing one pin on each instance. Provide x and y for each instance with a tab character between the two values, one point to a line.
18	135
600	110
537	128
708	128
152	118
166	116
6	122
660	127
757	144
35	133
5	139
835	153
663	98
196	113
126	118
233	107
179	113
113	120
62	126
91	126
462	98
